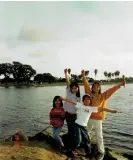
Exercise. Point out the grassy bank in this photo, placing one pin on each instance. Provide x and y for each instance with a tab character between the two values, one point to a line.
43	146
28	151
37	151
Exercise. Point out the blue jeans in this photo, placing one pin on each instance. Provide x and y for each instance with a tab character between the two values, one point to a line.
81	134
56	135
70	119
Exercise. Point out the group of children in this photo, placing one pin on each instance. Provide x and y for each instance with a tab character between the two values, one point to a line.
81	117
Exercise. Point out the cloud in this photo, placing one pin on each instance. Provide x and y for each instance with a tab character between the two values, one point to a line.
36	34
5	59
90	35
36	55
39	54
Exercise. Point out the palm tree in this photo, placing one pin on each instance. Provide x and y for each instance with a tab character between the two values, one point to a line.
95	72
109	75
117	73
112	74
79	77
105	74
69	71
86	73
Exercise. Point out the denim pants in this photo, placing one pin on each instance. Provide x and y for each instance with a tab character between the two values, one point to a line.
70	120
81	134
56	135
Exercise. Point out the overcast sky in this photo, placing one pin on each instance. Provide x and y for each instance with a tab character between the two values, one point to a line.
51	36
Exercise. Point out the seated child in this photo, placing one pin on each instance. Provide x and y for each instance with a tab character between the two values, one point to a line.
80	127
57	116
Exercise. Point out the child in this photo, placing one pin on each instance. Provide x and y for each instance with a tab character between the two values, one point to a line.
100	100
57	116
80	126
73	92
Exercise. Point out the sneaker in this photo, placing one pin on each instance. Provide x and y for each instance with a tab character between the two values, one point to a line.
62	149
88	151
88	156
72	154
100	156
69	153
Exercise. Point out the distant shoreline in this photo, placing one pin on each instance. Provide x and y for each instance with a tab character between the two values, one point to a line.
50	84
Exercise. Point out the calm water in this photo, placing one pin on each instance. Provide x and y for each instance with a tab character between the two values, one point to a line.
27	109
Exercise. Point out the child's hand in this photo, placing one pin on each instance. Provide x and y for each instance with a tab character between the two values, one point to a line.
123	83
114	111
83	72
61	98
65	70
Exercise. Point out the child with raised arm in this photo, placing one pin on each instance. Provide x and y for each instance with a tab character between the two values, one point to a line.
100	100
80	126
72	92
57	116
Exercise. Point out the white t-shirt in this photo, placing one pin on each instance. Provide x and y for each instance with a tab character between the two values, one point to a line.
84	113
69	107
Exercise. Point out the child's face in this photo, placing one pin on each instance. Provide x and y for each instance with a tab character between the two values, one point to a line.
57	103
96	88
87	101
74	89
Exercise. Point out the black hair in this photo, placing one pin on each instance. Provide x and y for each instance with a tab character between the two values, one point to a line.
86	95
54	100
93	87
76	85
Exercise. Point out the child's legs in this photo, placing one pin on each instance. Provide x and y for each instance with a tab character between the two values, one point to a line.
70	119
76	137
99	135
90	127
56	133
86	139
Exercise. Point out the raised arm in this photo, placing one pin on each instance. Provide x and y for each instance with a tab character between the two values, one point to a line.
112	90
86	83
68	100
108	110
67	78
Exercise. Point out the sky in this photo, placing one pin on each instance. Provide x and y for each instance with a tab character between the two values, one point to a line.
52	36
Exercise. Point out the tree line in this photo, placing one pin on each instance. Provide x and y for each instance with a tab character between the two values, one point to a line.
23	73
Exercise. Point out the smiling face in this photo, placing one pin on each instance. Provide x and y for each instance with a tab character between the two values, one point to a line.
74	89
57	103
86	100
96	88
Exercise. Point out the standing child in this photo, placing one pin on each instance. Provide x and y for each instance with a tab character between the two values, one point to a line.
72	92
57	116
100	100
80	126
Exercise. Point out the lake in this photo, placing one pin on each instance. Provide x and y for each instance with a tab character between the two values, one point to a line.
27	109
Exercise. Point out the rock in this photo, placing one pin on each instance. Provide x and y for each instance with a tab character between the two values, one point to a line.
19	136
130	157
108	155
46	136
